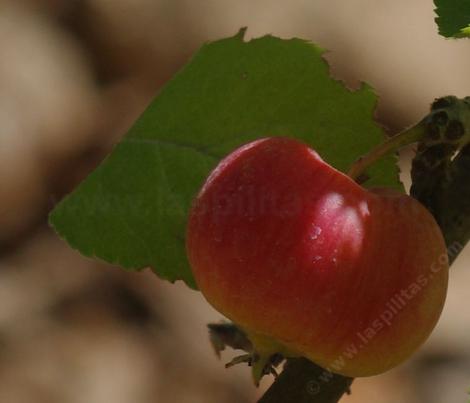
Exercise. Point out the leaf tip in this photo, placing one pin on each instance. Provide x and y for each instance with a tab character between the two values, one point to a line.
241	33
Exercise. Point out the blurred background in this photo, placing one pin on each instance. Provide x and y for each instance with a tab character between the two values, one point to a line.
74	75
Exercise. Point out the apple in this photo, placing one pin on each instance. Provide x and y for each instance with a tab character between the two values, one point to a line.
309	263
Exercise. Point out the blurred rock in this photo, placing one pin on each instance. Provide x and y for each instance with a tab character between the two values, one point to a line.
88	332
47	110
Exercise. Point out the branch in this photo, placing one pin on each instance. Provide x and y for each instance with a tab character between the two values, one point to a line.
302	381
450	202
441	171
455	206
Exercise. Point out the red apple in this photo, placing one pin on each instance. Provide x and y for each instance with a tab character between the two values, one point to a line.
309	263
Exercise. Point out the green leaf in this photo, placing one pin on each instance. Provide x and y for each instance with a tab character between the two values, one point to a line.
453	18
132	210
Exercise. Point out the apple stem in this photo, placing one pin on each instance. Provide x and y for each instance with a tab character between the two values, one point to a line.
392	144
448	125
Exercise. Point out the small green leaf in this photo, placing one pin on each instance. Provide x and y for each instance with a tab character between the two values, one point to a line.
132	209
453	18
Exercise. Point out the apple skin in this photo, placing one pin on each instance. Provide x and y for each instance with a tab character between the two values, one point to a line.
308	262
